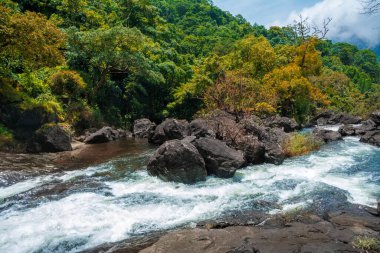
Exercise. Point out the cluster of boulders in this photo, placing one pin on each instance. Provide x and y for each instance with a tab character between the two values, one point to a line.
215	145
368	130
219	144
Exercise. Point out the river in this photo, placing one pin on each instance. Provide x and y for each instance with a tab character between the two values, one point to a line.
76	210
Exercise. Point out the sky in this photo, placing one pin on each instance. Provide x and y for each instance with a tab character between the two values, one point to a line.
348	23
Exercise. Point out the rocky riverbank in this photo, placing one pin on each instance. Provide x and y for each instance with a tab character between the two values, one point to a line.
250	232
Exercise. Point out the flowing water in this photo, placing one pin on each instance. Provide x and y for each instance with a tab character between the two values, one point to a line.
72	211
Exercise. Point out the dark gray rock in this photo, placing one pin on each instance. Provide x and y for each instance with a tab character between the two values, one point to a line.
103	135
50	138
287	124
347	130
326	135
170	129
371	137
365	127
201	128
375	117
253	149
331	118
220	159
142	128
274	153
343	118
321	118
124	133
178	161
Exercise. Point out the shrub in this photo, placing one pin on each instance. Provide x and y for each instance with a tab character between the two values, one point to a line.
68	85
300	144
369	244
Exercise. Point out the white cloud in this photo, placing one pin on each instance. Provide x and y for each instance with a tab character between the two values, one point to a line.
347	23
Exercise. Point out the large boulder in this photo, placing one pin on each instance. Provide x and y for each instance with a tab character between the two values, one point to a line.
106	134
375	117
220	159
178	161
50	138
326	135
170	129
142	128
347	130
287	124
372	137
201	128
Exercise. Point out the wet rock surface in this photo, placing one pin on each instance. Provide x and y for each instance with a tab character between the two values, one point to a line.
178	161
220	159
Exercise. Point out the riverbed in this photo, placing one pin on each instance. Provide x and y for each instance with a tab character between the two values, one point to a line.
70	211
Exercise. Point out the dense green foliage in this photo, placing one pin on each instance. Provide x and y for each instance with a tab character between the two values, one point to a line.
113	61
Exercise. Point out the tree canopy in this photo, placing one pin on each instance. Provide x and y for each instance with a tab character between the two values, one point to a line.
113	61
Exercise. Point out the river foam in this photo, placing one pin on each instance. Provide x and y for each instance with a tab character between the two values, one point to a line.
133	203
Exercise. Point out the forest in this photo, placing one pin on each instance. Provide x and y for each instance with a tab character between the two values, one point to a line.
87	63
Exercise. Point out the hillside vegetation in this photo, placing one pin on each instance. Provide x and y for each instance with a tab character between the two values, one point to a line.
90	62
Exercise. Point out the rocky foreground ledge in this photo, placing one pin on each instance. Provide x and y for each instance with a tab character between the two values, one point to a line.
249	232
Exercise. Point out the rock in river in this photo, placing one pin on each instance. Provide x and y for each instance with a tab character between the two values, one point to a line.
326	135
220	159
178	161
372	137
